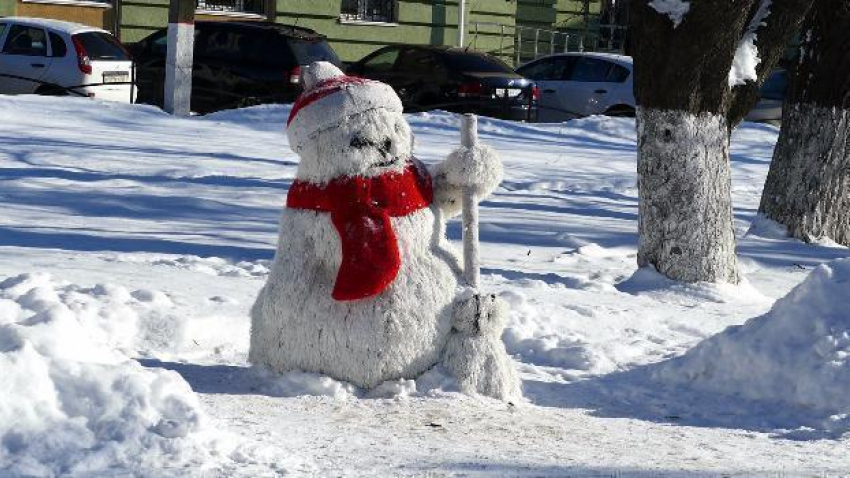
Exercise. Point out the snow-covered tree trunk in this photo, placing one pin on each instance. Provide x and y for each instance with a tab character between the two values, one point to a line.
689	96
808	186
685	207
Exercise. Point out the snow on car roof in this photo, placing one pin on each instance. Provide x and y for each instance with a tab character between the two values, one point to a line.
56	25
623	59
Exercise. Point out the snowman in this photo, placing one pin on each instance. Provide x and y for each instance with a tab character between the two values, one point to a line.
365	286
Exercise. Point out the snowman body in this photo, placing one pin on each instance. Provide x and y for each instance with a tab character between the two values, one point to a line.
401	332
348	130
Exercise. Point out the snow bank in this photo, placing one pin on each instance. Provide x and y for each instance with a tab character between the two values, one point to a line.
215	266
797	354
674	9
71	402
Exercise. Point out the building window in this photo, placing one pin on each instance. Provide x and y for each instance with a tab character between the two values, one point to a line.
368	10
235	6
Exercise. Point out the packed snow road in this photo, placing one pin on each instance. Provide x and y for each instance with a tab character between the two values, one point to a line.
132	245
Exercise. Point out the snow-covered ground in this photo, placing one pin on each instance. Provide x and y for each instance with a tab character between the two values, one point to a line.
132	245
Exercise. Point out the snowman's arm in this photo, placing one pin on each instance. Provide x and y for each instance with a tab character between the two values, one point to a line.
447	196
479	168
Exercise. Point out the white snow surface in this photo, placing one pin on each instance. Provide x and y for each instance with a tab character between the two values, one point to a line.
674	9
747	55
132	245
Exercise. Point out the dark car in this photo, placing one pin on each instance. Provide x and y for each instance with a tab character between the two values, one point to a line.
769	107
235	64
454	79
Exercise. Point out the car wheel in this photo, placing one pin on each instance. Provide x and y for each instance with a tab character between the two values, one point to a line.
623	111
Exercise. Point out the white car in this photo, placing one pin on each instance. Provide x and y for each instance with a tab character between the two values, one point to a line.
52	57
573	85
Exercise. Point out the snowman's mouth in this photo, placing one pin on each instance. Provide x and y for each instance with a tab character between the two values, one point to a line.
387	163
383	147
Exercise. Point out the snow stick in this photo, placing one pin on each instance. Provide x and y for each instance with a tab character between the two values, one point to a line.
471	263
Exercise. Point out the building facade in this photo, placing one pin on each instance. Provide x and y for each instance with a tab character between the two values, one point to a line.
516	30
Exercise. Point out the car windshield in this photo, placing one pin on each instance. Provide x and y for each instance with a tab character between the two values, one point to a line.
476	63
308	51
102	46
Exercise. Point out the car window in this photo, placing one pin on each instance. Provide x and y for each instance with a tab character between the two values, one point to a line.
2	29
618	74
227	45
101	46
548	69
23	40
58	48
775	86
590	70
460	61
419	62
271	51
382	62
308	51
158	43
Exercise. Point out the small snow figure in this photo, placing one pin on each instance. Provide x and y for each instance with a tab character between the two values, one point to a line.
475	354
363	283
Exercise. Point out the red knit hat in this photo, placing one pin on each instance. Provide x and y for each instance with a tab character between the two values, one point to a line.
329	97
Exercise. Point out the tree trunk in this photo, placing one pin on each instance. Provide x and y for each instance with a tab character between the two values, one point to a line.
685	209
685	112
808	185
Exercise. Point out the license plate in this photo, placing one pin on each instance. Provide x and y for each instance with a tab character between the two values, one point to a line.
507	92
116	77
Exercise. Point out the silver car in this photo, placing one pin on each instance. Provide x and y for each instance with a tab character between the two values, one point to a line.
573	85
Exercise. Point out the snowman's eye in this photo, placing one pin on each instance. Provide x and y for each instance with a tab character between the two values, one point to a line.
358	142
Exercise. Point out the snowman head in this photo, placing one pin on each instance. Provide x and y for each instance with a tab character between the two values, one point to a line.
347	126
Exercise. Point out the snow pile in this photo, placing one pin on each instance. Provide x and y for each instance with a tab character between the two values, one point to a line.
674	9
296	383
71	402
797	354
747	55
217	266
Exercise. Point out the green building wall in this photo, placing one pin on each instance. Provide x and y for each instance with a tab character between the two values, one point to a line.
140	18
7	8
490	23
418	21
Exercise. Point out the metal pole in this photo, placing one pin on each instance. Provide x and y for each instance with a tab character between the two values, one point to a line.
178	62
551	42
566	42
461	22
536	41
501	41
518	45
471	271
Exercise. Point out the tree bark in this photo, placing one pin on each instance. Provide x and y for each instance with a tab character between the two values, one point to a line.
684	98
683	222
808	185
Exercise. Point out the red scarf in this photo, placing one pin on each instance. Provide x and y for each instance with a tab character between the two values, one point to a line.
360	209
